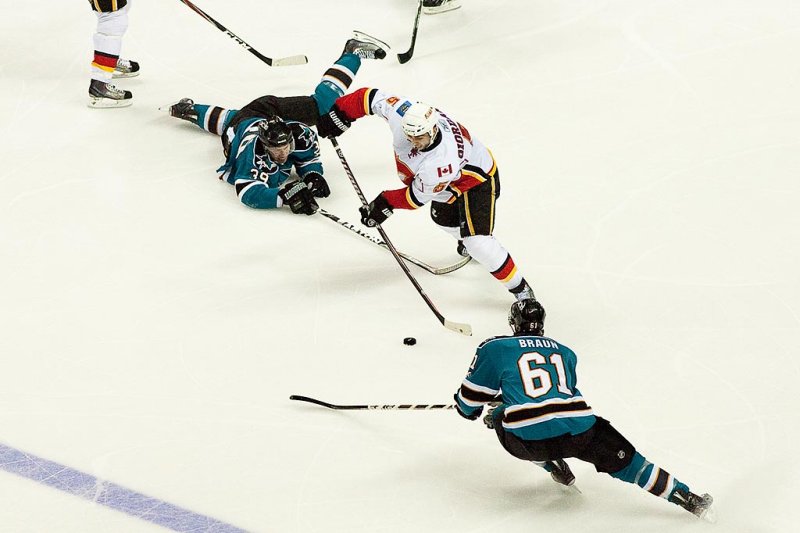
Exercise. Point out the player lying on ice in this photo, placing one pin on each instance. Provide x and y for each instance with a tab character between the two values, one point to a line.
265	139
543	417
439	162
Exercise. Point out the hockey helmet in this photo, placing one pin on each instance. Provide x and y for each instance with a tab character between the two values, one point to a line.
274	132
420	119
526	317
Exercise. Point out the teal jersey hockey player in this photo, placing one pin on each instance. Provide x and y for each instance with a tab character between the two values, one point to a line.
258	174
540	398
539	415
270	137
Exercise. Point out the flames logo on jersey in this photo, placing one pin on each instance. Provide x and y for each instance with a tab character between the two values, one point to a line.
440	187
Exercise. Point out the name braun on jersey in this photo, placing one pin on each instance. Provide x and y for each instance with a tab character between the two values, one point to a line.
537	343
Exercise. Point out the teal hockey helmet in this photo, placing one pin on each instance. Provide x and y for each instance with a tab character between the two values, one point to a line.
526	317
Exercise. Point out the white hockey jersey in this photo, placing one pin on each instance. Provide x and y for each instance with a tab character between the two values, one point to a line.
454	163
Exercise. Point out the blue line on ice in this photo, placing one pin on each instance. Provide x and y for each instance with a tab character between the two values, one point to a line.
109	494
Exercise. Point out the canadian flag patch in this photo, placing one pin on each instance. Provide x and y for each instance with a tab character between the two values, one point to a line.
443	171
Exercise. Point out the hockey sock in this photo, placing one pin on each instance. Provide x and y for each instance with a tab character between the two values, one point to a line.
336	81
650	477
213	118
106	54
490	253
108	42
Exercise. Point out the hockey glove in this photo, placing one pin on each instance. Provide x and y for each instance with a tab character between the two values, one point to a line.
297	196
333	123
317	184
376	212
489	419
473	416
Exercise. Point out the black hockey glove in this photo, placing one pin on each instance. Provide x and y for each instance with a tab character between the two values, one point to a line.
473	416
376	212
297	196
333	123
317	184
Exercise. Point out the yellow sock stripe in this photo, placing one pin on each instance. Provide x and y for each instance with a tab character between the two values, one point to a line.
510	275
114	5
97	6
101	67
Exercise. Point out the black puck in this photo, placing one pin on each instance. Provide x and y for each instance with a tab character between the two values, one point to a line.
409	341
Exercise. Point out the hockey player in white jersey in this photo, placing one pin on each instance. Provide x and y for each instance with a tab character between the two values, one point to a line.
112	22
440	163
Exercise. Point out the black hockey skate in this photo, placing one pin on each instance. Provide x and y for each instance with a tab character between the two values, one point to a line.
183	109
126	69
461	249
434	7
365	46
700	506
560	472
102	94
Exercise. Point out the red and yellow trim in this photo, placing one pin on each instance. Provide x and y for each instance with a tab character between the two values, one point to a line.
506	270
402	199
103	61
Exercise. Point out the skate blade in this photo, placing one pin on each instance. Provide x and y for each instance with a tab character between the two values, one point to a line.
108	103
361	36
574	488
709	515
117	74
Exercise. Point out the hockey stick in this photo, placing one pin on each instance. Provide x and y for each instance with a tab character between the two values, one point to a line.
436	271
279	62
405	57
401	407
464	329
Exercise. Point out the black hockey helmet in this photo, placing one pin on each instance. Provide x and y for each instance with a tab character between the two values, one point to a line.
526	317
274	133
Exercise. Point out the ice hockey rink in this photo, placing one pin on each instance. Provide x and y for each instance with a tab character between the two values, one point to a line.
152	328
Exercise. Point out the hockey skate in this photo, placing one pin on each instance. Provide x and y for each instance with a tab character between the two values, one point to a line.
523	292
434	7
365	46
700	506
125	69
182	109
102	94
560	472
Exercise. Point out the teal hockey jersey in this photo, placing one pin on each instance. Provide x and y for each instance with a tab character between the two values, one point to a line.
256	177
535	376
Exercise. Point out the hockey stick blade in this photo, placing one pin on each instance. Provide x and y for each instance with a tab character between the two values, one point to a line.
289	61
405	57
464	329
324	404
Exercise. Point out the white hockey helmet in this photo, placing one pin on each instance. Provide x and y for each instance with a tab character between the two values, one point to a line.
420	119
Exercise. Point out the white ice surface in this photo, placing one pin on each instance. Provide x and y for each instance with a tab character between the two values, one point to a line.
152	328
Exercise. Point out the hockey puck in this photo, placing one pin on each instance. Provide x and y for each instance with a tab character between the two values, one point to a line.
409	341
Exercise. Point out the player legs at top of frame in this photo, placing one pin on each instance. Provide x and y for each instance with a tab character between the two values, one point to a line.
440	162
112	22
542	417
269	137
434	7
